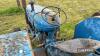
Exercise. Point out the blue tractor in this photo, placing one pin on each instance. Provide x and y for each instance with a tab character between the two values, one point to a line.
44	23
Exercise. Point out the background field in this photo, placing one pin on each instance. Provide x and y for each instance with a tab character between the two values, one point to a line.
77	10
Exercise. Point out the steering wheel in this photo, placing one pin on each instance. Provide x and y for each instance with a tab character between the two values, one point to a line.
55	14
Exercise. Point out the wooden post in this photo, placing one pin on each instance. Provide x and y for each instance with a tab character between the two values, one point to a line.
24	4
18	3
24	7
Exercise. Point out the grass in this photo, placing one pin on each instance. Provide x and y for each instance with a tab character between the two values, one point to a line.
8	23
11	11
4	4
10	16
77	10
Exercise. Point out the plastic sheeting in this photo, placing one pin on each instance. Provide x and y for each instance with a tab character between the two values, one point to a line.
89	28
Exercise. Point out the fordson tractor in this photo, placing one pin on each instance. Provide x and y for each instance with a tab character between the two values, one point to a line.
44	24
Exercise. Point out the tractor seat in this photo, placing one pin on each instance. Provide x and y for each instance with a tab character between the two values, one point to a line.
77	45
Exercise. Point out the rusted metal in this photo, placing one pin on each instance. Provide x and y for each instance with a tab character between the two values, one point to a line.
30	42
15	44
32	5
39	52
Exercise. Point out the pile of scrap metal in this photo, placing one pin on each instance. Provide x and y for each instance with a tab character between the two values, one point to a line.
44	23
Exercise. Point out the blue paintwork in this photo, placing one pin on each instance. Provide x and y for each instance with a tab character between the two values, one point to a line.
25	46
92	54
39	23
80	31
42	25
89	28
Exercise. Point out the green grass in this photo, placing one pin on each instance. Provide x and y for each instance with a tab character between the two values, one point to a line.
10	16
11	11
8	23
77	10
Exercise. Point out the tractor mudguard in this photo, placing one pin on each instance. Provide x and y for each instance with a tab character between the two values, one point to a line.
89	28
